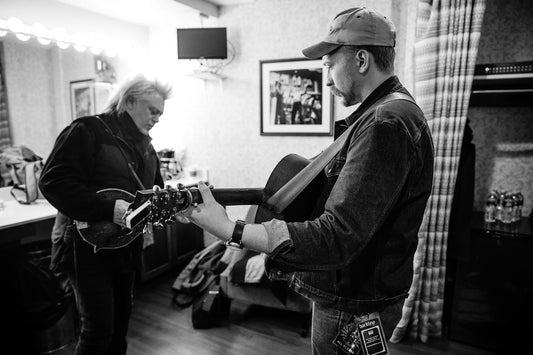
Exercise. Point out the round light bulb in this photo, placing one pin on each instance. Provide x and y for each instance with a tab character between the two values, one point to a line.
43	34
62	38
110	53
80	41
14	24
97	44
22	31
3	28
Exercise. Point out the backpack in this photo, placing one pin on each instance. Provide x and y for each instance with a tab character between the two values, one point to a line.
24	168
198	285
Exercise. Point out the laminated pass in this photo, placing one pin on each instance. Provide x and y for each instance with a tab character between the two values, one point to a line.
362	335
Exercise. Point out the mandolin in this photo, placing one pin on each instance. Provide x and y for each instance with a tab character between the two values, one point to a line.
149	206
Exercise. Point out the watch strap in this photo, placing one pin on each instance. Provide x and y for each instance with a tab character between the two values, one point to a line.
236	237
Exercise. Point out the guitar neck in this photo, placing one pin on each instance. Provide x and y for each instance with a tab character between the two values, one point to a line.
232	197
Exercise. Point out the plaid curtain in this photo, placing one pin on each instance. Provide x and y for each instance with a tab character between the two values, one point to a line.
5	135
447	36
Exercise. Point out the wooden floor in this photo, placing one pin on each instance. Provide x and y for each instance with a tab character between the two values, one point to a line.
159	328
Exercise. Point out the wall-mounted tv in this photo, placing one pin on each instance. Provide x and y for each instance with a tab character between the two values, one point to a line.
202	43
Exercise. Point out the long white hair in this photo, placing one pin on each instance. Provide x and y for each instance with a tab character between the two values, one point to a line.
134	88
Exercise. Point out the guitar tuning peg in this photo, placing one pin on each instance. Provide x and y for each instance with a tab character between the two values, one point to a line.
158	225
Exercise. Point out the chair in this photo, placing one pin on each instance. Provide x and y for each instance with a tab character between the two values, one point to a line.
261	293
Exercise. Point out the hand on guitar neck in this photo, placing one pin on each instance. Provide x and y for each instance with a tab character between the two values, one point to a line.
119	213
209	215
212	217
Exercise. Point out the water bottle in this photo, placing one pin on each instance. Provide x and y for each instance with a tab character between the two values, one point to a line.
507	210
519	205
490	208
499	205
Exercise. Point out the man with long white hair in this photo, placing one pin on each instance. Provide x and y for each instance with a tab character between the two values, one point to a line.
110	150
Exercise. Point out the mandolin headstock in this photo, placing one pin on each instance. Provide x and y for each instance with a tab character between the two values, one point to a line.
157	206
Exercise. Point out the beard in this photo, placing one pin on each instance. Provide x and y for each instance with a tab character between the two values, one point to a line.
347	99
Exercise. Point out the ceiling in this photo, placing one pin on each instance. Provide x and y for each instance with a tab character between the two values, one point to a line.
230	2
150	12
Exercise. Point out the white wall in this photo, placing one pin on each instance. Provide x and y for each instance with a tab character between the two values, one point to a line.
220	126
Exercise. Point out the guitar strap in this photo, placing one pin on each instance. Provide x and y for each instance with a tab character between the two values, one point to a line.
132	171
285	195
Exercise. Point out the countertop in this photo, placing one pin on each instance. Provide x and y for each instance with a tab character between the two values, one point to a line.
14	214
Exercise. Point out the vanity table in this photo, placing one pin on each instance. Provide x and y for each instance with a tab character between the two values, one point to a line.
21	224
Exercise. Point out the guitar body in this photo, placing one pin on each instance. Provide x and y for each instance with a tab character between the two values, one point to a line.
108	235
303	206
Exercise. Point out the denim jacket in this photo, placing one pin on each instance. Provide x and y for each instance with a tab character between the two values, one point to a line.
357	254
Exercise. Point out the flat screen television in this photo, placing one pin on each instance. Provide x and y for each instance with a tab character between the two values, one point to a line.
202	43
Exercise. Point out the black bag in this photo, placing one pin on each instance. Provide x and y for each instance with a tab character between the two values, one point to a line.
198	275
33	301
198	284
25	168
210	307
45	297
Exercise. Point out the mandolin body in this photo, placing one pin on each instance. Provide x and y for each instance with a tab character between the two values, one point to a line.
108	235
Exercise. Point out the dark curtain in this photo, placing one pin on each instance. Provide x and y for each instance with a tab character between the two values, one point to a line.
460	214
5	133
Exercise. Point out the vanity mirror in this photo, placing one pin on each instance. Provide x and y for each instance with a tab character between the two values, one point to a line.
37	82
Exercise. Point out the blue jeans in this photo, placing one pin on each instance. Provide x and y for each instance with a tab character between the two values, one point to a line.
103	286
327	322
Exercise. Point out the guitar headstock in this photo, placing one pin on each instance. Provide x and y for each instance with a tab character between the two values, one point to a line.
157	206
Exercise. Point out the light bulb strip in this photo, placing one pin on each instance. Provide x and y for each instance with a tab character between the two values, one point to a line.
65	42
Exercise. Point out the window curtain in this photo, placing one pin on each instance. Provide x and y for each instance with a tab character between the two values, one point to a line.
5	133
447	37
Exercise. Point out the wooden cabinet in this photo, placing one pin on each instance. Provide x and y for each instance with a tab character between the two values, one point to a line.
493	292
173	245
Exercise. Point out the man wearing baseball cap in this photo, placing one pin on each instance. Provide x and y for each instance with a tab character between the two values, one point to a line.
354	257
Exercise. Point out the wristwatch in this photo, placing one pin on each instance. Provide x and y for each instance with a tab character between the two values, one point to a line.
235	242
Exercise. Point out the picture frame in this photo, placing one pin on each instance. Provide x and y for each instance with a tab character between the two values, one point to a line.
295	100
89	97
82	98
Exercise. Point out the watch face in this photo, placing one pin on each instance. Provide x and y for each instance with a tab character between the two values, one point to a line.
233	245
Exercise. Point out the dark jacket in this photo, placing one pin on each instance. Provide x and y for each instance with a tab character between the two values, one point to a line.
357	255
85	159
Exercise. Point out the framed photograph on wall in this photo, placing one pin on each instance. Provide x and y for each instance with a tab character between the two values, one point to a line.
82	98
89	97
295	100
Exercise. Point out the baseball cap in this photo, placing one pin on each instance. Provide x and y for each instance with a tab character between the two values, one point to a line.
358	26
